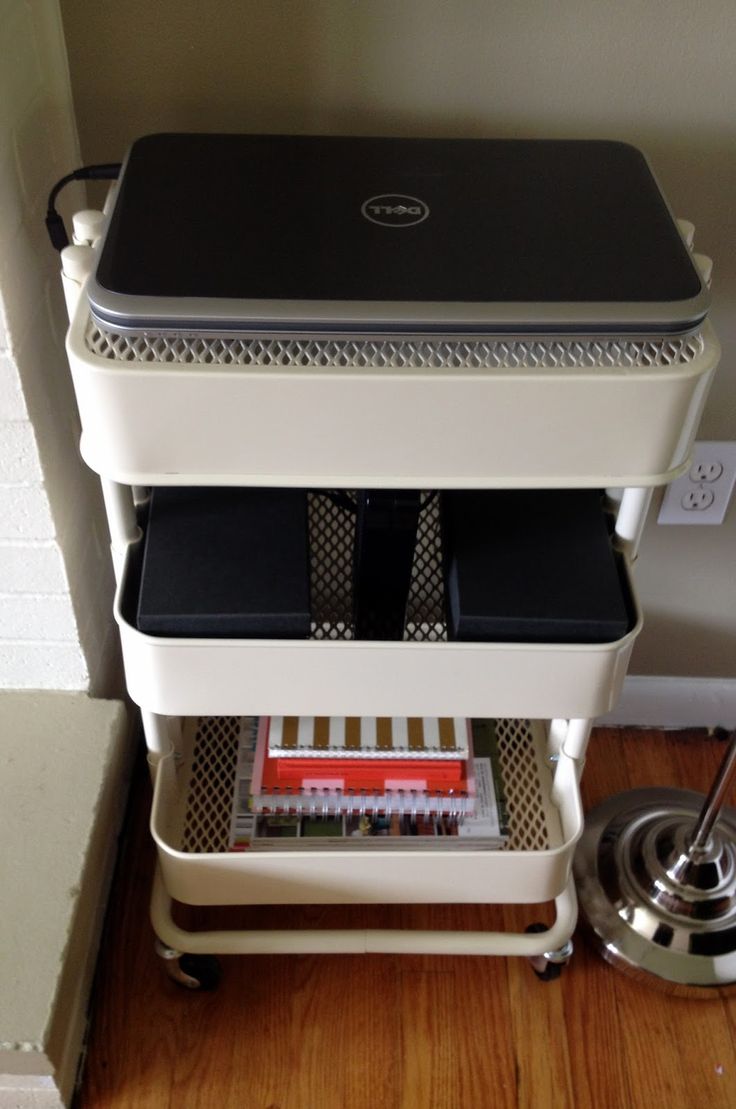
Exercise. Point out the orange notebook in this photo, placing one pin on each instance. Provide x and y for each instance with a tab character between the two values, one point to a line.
326	785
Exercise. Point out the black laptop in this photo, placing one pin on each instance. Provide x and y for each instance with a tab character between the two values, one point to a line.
306	234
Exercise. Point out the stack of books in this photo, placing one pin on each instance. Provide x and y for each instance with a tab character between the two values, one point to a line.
367	782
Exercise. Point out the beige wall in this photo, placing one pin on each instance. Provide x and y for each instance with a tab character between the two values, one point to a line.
56	584
661	75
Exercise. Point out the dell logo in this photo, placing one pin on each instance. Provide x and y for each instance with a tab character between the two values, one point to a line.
395	210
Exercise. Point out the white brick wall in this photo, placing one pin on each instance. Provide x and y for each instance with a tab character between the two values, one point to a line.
19	462
55	575
12	401
24	511
35	567
38	617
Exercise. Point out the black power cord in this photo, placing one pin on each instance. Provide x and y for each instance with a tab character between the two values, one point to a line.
349	503
54	222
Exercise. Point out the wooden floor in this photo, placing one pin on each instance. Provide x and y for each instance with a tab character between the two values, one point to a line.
398	1032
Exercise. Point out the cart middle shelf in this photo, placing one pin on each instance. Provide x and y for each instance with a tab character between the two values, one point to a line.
334	674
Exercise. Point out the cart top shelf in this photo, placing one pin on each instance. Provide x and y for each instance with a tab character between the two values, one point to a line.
414	412
532	318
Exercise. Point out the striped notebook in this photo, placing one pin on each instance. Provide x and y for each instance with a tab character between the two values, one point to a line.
356	785
368	737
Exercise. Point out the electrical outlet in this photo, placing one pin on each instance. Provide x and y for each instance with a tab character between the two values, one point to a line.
701	495
706	471
697	499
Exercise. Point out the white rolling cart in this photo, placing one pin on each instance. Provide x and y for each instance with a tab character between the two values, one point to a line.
603	412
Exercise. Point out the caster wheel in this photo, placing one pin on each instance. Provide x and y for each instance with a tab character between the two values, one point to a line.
551	972
548	970
199	972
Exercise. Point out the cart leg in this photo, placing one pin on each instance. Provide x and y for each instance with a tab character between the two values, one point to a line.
193	971
121	520
632	515
548	966
159	731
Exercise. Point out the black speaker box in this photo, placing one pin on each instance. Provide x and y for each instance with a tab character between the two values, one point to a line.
531	567
226	563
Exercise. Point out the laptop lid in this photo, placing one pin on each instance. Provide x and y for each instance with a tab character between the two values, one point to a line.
308	234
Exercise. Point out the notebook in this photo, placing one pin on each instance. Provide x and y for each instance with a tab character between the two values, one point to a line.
359	786
486	828
368	737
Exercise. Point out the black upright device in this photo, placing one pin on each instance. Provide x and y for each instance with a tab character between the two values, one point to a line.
385	538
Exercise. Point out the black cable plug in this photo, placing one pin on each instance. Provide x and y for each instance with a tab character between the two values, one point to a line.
107	171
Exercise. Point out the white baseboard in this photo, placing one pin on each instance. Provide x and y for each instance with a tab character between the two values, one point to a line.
656	702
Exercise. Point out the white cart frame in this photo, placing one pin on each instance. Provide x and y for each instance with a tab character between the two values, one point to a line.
610	413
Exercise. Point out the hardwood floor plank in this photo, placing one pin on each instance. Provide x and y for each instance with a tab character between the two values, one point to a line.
415	1032
655	1026
600	1076
605	770
319	1031
697	759
540	1040
675	1048
455	1050
729	1007
651	763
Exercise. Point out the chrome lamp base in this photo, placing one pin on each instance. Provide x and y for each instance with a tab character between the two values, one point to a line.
656	881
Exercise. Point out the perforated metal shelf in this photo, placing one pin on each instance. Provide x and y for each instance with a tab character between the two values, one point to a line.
390	411
395	354
331	534
191	820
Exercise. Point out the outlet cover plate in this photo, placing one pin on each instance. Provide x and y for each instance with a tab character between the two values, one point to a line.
692	498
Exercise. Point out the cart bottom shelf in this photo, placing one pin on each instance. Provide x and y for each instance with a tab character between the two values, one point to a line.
191	824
